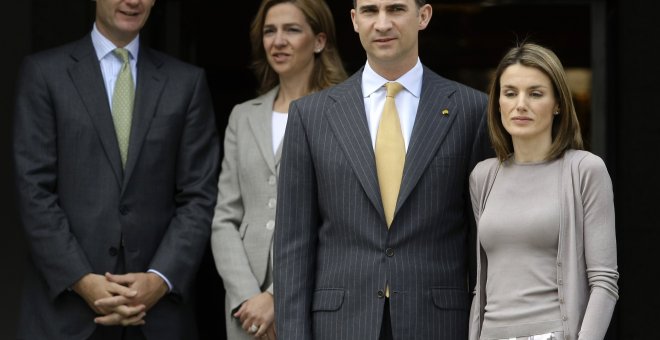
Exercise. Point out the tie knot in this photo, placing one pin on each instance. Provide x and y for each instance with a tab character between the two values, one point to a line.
393	88
122	53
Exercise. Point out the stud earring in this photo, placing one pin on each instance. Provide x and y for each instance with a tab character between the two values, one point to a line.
318	50
556	113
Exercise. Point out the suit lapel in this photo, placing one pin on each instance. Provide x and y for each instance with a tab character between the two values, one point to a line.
88	80
261	123
348	121
150	84
430	129
278	157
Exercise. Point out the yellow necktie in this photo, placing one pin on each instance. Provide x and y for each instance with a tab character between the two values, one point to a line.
390	152
122	103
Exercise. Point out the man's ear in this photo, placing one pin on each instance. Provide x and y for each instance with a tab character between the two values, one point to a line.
355	25
425	14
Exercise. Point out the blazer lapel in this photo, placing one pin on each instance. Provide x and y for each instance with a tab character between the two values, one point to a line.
150	84
348	121
430	129
88	80
278	157
261	123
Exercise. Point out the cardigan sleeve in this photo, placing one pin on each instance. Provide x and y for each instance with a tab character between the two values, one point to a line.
476	208
481	180
599	247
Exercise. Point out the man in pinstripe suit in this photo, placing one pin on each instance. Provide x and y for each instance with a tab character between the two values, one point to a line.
340	271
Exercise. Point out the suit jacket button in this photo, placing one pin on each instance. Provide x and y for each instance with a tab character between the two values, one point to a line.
381	294
272	180
123	210
112	251
389	252
270	225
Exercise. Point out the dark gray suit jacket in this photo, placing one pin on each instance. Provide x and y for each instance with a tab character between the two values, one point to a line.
78	205
333	251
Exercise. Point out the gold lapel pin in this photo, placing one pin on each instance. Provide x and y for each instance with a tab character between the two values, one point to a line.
445	112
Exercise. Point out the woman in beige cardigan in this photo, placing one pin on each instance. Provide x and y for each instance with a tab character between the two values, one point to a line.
546	241
294	48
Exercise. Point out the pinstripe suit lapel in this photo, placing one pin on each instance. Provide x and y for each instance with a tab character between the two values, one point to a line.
430	129
261	124
348	121
150	84
88	80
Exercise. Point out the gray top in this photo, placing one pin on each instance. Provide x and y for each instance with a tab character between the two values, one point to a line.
586	261
519	231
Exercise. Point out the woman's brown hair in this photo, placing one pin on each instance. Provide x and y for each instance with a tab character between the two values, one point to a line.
565	126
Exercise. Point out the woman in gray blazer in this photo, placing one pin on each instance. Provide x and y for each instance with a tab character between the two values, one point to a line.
294	53
544	208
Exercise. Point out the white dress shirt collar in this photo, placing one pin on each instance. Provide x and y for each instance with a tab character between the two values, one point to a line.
407	101
411	80
103	45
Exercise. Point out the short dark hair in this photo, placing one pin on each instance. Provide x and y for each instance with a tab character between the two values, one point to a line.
419	3
565	126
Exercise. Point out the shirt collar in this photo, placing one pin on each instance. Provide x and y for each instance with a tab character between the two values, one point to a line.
103	45
411	80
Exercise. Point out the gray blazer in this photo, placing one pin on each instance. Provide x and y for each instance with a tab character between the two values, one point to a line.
244	219
78	205
333	252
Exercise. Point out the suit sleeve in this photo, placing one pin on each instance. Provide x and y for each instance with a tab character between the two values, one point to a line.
230	256
54	249
481	149
599	247
187	236
296	233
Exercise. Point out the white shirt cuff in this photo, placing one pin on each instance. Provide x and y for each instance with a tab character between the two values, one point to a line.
169	285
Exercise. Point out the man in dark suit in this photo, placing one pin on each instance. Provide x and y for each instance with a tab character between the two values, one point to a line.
349	263
116	158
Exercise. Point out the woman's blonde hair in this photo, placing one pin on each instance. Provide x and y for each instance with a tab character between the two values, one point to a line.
328	68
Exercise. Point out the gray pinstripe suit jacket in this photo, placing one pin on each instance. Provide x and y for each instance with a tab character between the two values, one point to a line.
333	252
